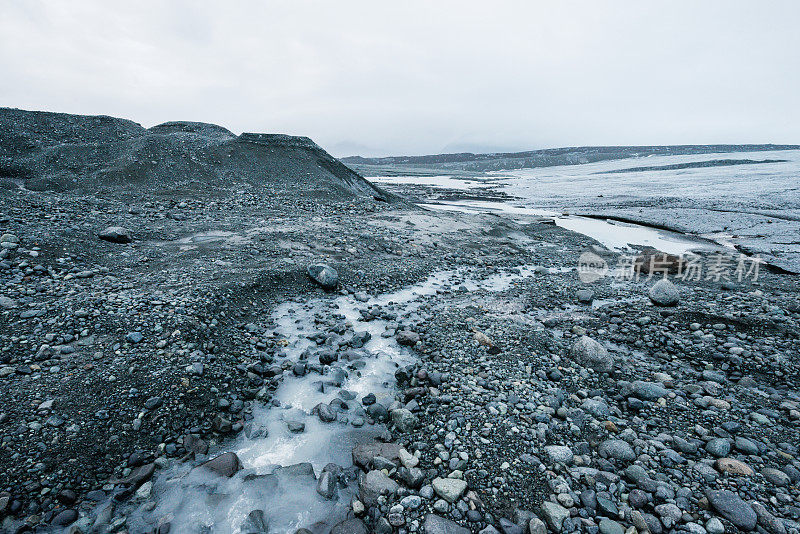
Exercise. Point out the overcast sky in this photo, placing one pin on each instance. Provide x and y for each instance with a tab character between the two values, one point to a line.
386	78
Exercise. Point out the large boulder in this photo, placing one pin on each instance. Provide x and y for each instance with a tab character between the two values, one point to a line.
589	353
323	274
664	293
116	234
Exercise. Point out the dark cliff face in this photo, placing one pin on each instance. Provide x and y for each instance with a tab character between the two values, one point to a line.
61	152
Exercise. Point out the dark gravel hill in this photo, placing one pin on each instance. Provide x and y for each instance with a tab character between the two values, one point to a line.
61	152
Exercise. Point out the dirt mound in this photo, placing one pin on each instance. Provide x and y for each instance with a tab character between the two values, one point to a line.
59	152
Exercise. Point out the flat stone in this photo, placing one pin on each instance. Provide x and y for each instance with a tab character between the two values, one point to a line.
350	526
733	466
730	506
116	234
649	391
609	526
449	489
776	477
435	524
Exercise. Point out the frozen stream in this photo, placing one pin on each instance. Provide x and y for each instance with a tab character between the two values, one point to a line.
282	466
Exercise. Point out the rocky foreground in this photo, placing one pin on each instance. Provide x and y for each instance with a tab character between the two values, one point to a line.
138	340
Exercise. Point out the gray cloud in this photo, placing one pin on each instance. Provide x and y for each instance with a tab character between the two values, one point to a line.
418	77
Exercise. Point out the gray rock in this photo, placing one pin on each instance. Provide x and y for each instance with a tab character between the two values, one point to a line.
138	476
116	234
715	526
374	484
225	465
767	520
719	447
776	477
609	526
134	337
449	489
664	293
323	274
559	454
65	518
649	391
404	420
730	506
255	523
326	485
300	470
324	412
616	449
350	526
508	527
554	515
669	513
407	338
745	445
597	408
295	427
9	238
536	526
435	524
364	453
589	353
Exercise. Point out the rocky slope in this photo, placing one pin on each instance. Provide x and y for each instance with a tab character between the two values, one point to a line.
59	152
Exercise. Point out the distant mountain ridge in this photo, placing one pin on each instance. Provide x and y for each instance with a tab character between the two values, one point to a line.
467	161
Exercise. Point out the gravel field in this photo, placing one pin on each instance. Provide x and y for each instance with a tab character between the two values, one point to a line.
169	362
